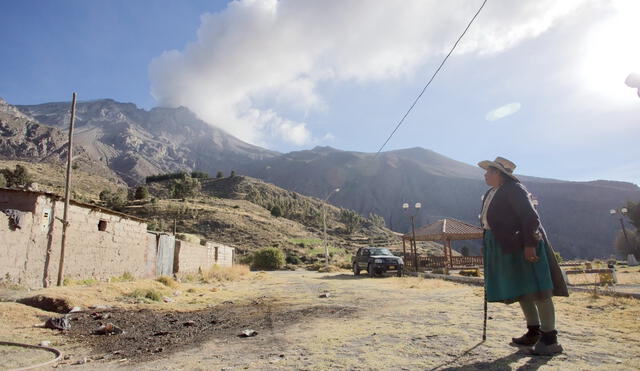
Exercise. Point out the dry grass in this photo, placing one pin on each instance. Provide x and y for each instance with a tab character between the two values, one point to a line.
218	273
167	281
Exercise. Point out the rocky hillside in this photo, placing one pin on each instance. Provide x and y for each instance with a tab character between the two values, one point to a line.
232	210
135	143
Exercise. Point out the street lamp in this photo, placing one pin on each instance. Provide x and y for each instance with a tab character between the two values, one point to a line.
324	226
622	211
417	206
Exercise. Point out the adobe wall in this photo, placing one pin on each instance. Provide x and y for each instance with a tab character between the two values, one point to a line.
190	257
224	254
90	253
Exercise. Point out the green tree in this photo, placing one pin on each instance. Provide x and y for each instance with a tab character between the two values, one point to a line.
142	192
269	258
114	200
219	175
233	174
19	177
276	211
376	220
351	219
188	187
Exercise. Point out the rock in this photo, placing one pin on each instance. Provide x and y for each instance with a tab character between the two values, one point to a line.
167	299
324	295
100	307
75	310
177	293
62	323
248	333
189	323
108	329
45	343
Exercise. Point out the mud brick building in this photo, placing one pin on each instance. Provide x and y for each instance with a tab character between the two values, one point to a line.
189	257
101	243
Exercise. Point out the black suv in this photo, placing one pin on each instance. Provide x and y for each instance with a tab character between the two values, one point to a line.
376	260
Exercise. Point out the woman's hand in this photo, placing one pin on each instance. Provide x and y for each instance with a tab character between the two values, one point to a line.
530	254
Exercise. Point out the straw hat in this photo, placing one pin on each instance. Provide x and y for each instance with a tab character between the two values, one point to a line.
505	166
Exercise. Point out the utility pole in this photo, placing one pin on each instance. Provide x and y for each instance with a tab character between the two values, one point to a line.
67	188
414	246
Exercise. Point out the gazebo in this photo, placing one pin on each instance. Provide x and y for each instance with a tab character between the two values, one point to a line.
445	230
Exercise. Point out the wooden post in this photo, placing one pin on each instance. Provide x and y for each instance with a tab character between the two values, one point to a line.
65	220
404	248
450	254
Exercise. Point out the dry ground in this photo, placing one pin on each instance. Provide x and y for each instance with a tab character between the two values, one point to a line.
382	323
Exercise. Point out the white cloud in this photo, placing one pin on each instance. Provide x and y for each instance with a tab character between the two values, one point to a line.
257	64
503	111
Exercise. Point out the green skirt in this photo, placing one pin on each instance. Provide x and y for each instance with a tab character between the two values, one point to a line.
509	277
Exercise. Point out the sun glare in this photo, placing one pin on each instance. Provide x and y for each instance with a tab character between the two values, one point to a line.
612	53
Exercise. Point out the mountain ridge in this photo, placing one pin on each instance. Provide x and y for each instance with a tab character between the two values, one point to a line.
131	143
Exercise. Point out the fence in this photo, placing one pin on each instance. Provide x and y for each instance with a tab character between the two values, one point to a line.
432	261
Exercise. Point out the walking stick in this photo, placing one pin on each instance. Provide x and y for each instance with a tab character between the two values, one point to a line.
484	326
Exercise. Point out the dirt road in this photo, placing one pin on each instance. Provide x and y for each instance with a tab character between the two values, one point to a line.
364	323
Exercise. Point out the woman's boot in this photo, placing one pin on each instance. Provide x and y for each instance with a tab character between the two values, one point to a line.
530	338
547	345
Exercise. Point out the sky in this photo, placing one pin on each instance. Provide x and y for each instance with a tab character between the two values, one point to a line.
540	82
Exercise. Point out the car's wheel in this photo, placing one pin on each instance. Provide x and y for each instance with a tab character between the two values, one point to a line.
400	273
356	269
371	270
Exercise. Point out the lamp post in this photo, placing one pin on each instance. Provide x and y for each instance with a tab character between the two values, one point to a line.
621	211
324	226
417	206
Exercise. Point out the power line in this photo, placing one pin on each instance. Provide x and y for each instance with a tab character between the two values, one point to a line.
432	77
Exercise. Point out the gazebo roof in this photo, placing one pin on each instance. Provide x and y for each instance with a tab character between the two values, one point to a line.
447	229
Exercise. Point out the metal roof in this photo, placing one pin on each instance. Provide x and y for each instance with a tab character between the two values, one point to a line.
446	229
76	203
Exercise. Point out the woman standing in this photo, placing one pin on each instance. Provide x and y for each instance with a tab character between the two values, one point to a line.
520	265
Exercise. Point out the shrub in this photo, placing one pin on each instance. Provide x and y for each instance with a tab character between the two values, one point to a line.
167	281
351	219
233	174
114	200
293	259
219	175
559	257
142	193
187	187
3	180
269	258
17	178
125	277
199	175
276	211
150	294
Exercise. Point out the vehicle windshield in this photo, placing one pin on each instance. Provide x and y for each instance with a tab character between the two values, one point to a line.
381	252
